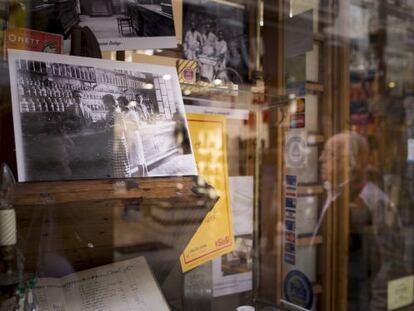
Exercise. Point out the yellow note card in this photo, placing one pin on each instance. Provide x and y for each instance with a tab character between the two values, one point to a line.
214	237
400	292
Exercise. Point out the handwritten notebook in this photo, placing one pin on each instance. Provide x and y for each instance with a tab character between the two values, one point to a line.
124	286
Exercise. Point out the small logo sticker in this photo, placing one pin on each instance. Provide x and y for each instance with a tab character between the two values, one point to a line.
298	289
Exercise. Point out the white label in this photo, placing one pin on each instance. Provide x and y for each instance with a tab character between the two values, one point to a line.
410	150
400	292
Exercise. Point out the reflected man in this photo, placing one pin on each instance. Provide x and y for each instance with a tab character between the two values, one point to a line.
376	242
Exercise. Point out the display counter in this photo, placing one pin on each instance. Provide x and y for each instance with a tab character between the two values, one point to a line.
150	19
160	146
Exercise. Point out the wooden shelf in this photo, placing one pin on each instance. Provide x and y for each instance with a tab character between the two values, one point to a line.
307	241
60	192
305	190
315	87
85	223
315	139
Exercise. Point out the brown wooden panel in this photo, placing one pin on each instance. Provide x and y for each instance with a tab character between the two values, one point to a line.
80	224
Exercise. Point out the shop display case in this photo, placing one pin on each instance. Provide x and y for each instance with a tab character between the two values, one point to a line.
222	155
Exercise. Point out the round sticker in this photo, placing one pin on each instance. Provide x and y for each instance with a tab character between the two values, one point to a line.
298	289
295	155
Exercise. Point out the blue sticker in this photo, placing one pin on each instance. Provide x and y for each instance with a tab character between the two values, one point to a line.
298	289
290	180
289	247
290	225
290	259
290	203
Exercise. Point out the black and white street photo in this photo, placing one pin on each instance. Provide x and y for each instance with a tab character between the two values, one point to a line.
215	35
83	118
117	24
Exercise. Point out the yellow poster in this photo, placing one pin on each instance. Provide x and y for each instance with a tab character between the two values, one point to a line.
214	237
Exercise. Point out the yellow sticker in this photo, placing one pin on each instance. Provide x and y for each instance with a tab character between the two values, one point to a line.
214	237
400	292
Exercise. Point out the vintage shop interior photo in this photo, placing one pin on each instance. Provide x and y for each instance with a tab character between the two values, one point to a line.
207	155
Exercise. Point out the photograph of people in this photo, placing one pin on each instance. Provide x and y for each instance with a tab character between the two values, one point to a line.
117	24
218	46
78	116
135	147
221	54
192	42
117	146
100	119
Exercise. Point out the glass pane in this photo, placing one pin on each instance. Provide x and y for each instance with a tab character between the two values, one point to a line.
207	154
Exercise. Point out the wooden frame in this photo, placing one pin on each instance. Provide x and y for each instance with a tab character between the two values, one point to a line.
333	96
85	223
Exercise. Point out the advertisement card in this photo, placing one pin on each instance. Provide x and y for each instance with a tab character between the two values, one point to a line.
215	35
214	237
32	40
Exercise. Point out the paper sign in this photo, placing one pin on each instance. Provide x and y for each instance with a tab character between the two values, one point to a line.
32	40
214	237
400	292
410	150
295	148
232	273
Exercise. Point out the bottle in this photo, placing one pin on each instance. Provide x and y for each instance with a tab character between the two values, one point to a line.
18	16
30	302
7	229
24	107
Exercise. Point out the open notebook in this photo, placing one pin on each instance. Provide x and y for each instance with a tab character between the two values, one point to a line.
126	285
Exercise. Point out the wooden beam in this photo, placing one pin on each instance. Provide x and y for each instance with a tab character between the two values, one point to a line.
274	78
309	241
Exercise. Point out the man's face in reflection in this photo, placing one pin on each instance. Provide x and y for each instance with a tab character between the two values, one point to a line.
327	159
345	157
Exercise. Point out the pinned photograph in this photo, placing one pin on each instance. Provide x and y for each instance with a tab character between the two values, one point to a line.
232	272
117	24
215	35
82	118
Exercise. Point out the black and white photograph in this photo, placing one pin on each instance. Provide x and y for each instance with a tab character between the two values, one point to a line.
83	118
240	260
232	272
215	35
117	24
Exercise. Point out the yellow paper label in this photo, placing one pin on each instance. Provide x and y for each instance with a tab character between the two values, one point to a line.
400	292
214	237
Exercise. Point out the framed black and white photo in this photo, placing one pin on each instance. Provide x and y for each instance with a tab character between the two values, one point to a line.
117	24
83	118
215	35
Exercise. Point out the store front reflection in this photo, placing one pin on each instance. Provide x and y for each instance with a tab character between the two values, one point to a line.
376	242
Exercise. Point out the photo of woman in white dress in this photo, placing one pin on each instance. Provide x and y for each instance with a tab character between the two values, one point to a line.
134	140
117	145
